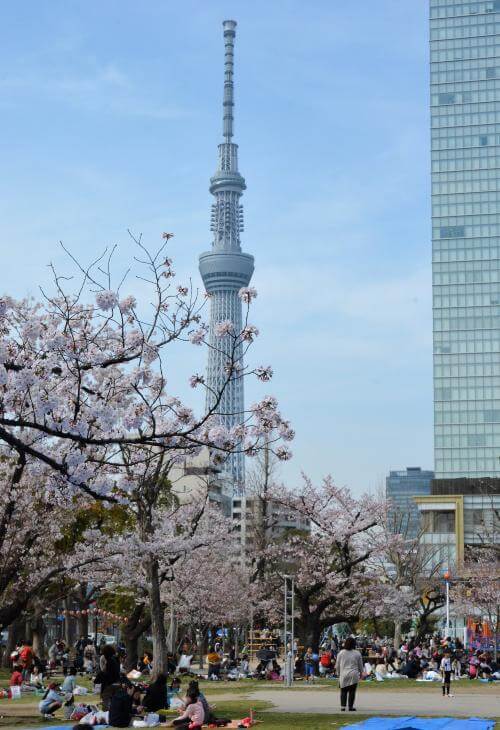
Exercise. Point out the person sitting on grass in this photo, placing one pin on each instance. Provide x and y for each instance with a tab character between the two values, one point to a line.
244	668
325	663
121	706
194	714
68	688
299	667
381	671
69	682
36	678
156	695
175	685
194	689
50	702
16	678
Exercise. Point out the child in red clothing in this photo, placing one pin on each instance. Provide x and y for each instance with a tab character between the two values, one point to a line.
16	678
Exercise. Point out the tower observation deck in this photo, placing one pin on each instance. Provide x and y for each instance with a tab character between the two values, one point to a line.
225	269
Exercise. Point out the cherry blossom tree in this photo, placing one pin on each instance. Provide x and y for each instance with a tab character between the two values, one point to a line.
164	532
41	539
210	588
85	402
409	567
81	380
335	576
261	485
476	590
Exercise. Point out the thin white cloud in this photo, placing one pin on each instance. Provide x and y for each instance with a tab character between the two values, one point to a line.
106	89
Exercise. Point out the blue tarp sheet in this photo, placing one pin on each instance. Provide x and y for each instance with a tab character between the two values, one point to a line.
424	723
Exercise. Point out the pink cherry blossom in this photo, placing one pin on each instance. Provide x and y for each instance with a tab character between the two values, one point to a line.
224	328
246	294
127	305
197	337
106	300
264	373
249	333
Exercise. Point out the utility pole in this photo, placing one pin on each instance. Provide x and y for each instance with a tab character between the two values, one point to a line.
289	620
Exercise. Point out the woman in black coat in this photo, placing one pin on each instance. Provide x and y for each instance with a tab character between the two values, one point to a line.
156	695
109	675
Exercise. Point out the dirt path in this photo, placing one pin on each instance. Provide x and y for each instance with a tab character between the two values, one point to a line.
385	702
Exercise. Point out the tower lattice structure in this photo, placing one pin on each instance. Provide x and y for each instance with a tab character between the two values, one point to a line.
225	269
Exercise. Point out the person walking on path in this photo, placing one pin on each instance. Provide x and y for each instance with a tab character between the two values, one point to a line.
349	671
446	669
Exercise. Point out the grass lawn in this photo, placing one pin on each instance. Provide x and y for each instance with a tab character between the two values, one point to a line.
23	713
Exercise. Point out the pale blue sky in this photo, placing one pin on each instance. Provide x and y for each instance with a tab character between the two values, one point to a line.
111	114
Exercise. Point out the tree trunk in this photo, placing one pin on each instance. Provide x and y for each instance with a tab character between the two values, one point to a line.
15	634
397	634
172	630
10	612
83	595
38	631
132	650
157	620
69	624
201	637
309	631
83	624
132	631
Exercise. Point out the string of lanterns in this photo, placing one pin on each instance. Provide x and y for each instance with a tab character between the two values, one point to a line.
95	612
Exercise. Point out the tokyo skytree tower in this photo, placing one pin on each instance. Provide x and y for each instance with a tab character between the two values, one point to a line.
226	269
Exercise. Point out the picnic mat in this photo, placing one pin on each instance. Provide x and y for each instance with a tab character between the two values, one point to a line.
423	723
65	727
233	724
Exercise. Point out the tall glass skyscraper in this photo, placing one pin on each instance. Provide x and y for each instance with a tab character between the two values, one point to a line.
465	120
401	487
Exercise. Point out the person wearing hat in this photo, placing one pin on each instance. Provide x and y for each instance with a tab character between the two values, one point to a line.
50	702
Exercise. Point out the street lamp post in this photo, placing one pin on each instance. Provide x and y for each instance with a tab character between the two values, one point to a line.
289	618
447	577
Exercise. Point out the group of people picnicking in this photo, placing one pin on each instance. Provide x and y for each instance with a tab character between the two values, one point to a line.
414	660
122	699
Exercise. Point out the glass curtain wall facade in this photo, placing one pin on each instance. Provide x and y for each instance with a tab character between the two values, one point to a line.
465	122
401	488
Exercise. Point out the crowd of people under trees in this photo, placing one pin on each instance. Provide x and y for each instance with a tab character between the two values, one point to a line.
125	694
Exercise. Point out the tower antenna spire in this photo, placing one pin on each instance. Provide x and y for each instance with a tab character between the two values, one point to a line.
229	27
225	269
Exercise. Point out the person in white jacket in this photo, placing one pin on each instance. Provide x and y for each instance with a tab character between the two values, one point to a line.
349	670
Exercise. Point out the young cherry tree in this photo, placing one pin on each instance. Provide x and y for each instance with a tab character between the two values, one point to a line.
335	577
146	564
210	589
83	376
476	590
409	567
